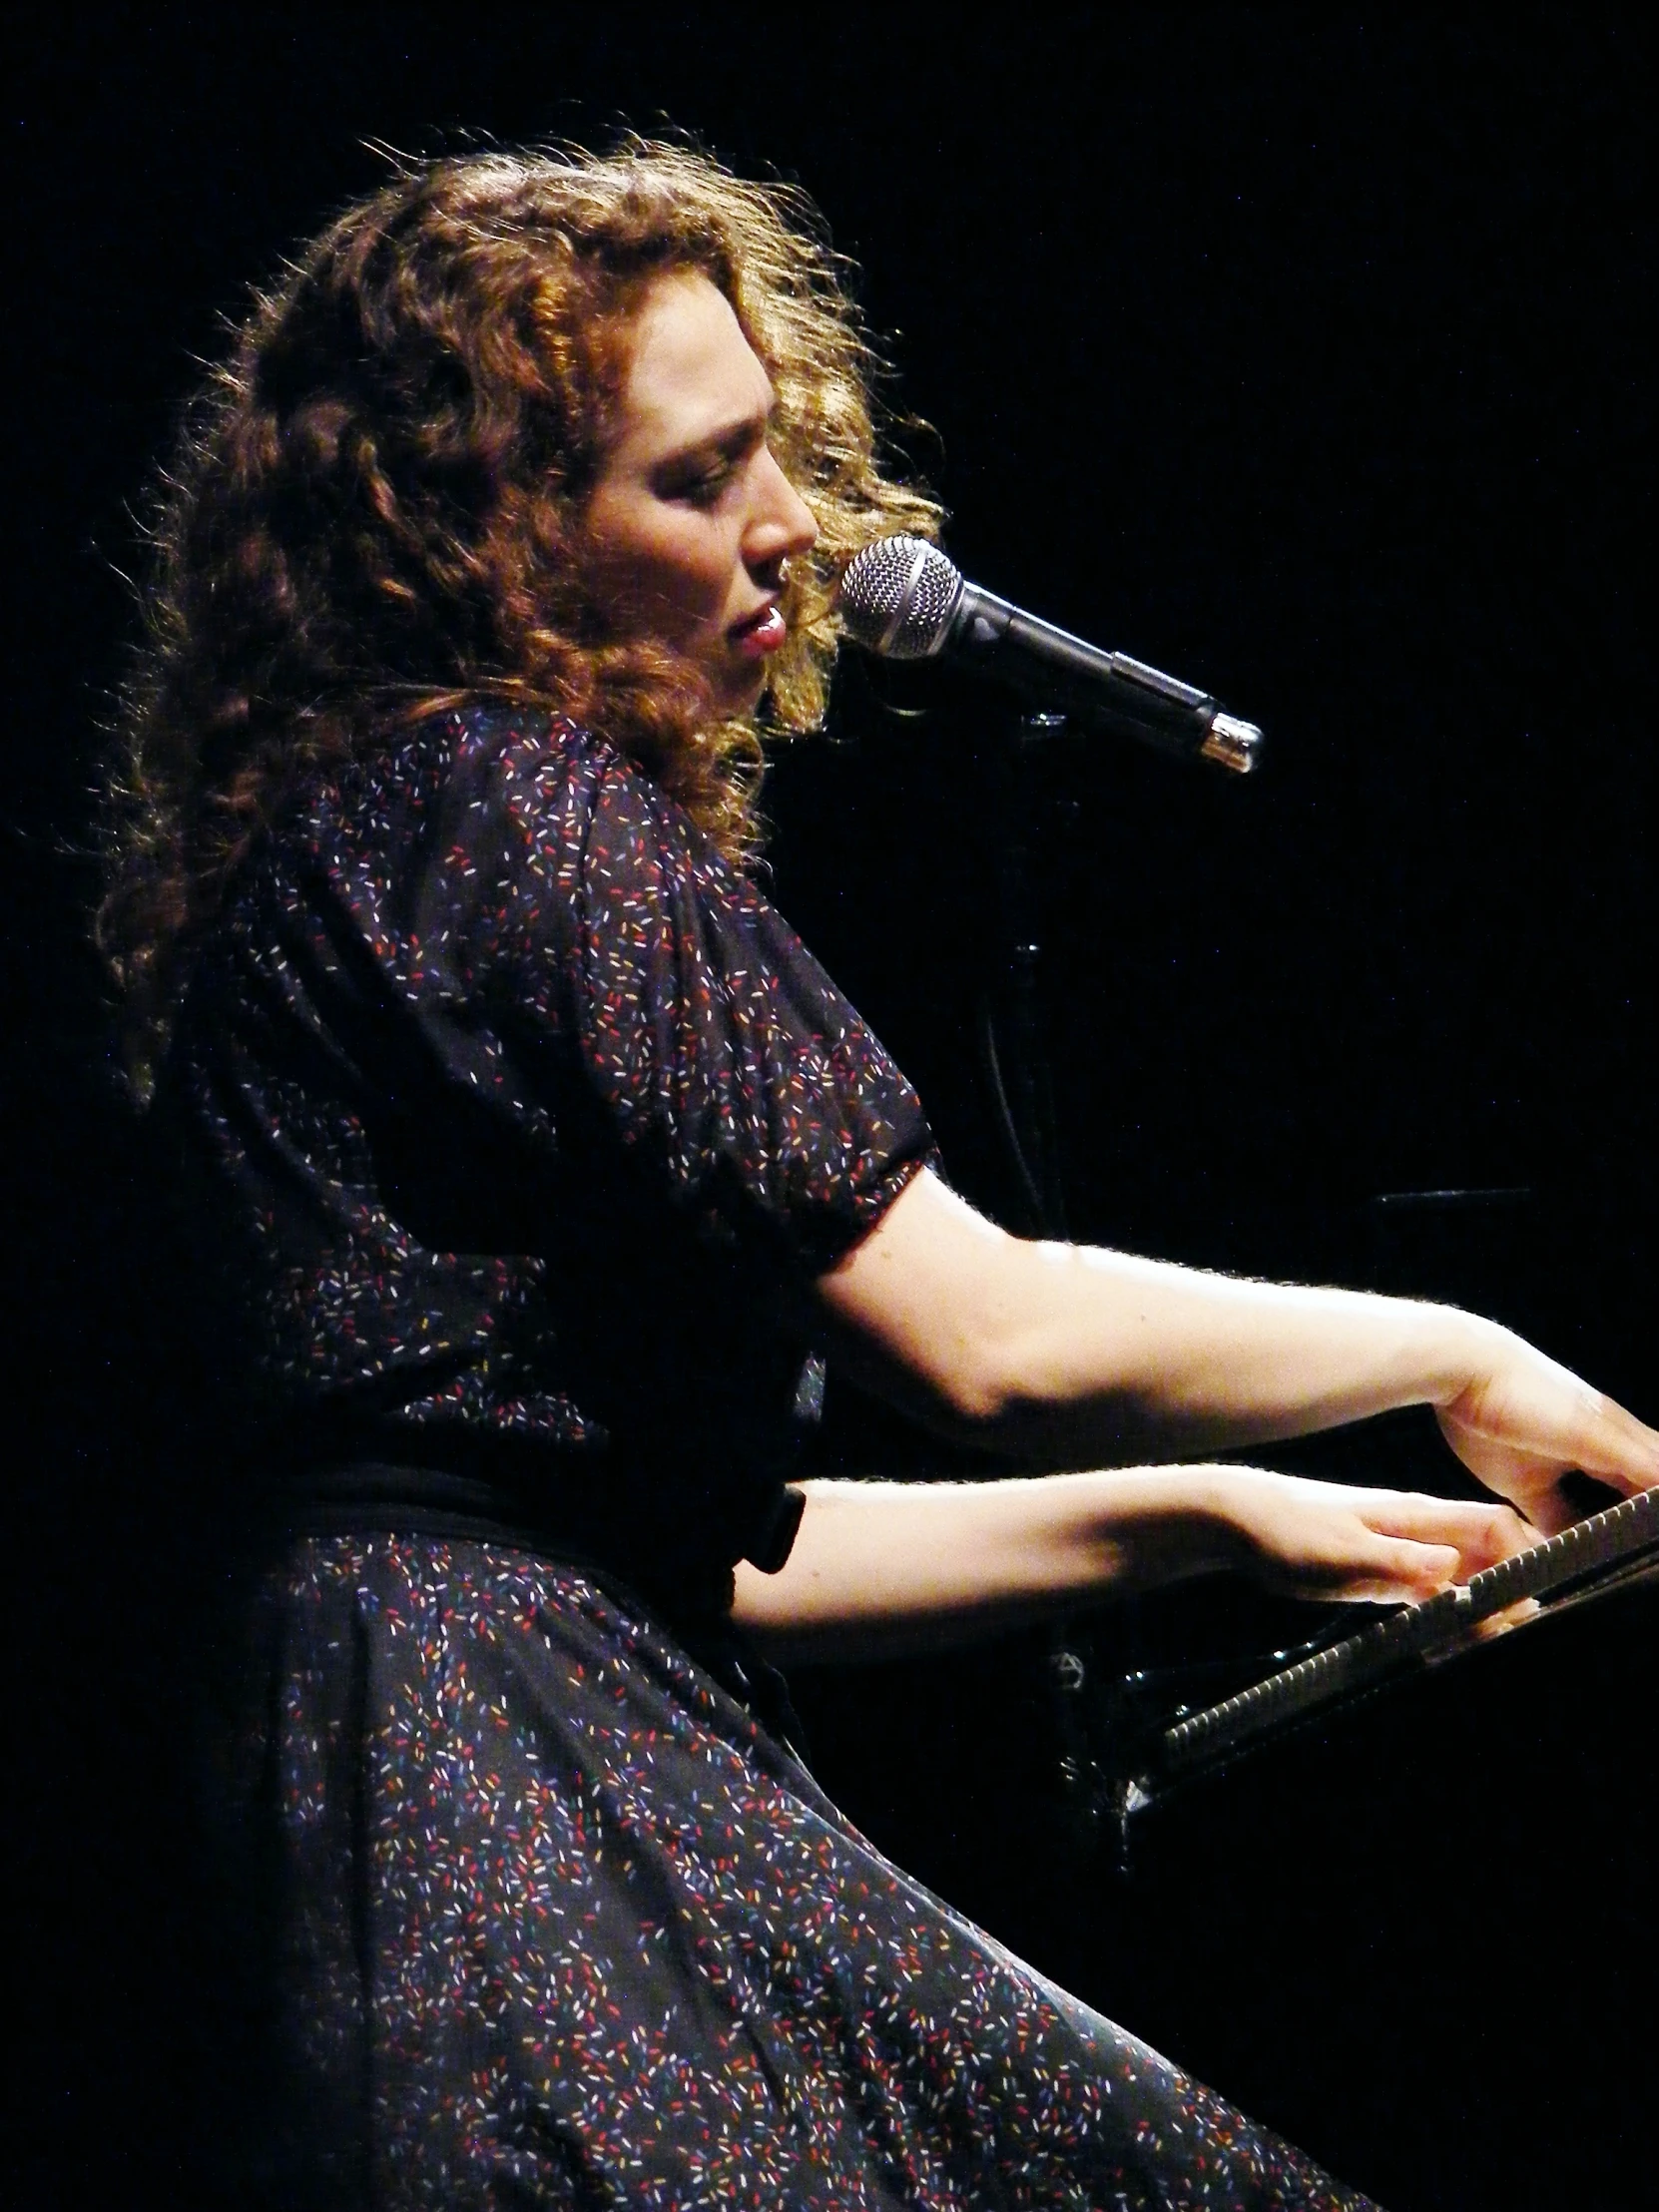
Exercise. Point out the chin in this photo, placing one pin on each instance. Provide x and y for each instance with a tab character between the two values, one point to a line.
736	702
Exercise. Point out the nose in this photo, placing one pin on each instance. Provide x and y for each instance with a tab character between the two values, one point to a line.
780	522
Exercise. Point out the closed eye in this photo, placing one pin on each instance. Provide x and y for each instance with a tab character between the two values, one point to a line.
701	473
705	488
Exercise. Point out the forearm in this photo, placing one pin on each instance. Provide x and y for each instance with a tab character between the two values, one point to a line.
1071	1355
883	1567
1102	1349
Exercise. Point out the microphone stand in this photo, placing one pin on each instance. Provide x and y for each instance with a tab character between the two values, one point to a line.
1020	1072
1020	1075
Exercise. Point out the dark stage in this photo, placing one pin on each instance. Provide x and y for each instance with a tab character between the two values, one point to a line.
1301	359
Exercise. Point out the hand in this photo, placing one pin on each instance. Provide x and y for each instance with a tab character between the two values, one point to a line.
1326	1540
1522	1422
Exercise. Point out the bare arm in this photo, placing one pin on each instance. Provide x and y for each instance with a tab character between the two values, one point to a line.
1067	1355
884	1567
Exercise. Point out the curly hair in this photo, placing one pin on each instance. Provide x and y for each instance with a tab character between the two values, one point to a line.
375	509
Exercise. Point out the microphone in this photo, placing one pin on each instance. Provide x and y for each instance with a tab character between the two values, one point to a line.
903	599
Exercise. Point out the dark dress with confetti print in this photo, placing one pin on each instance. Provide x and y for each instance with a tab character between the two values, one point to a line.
532	1124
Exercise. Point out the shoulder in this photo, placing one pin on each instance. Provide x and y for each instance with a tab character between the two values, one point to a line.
556	795
533	757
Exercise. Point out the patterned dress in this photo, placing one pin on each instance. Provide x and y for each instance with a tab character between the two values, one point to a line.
531	1125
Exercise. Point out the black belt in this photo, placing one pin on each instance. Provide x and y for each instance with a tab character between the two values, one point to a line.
376	1496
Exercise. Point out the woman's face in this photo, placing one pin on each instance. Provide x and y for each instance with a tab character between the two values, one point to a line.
691	520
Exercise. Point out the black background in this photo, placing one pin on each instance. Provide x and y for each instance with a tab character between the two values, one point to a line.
1301	358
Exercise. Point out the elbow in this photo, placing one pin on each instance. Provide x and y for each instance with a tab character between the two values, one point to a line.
981	1389
965	1326
960	1389
1005	1396
988	1391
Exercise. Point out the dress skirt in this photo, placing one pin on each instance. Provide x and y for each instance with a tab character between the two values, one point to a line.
550	1917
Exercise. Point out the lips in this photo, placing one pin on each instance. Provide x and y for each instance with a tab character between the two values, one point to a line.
761	632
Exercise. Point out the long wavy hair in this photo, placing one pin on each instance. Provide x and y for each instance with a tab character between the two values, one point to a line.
375	510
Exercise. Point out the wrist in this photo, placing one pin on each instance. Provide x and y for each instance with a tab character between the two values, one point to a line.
1459	1351
1171	1522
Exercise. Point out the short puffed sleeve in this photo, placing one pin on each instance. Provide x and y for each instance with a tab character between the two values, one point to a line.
608	937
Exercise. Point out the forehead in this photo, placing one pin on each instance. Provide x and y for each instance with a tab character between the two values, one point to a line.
692	373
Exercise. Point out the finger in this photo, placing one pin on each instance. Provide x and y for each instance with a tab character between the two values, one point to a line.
1584	1430
1482	1535
1534	1485
1615	1446
1397	1566
1527	1478
1551	1510
1512	1616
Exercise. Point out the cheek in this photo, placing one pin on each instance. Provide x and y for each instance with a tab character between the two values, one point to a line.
675	579
694	574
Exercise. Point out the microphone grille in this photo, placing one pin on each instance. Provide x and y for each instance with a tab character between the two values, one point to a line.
898	597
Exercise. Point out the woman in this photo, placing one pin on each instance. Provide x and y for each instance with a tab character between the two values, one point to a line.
555	1164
